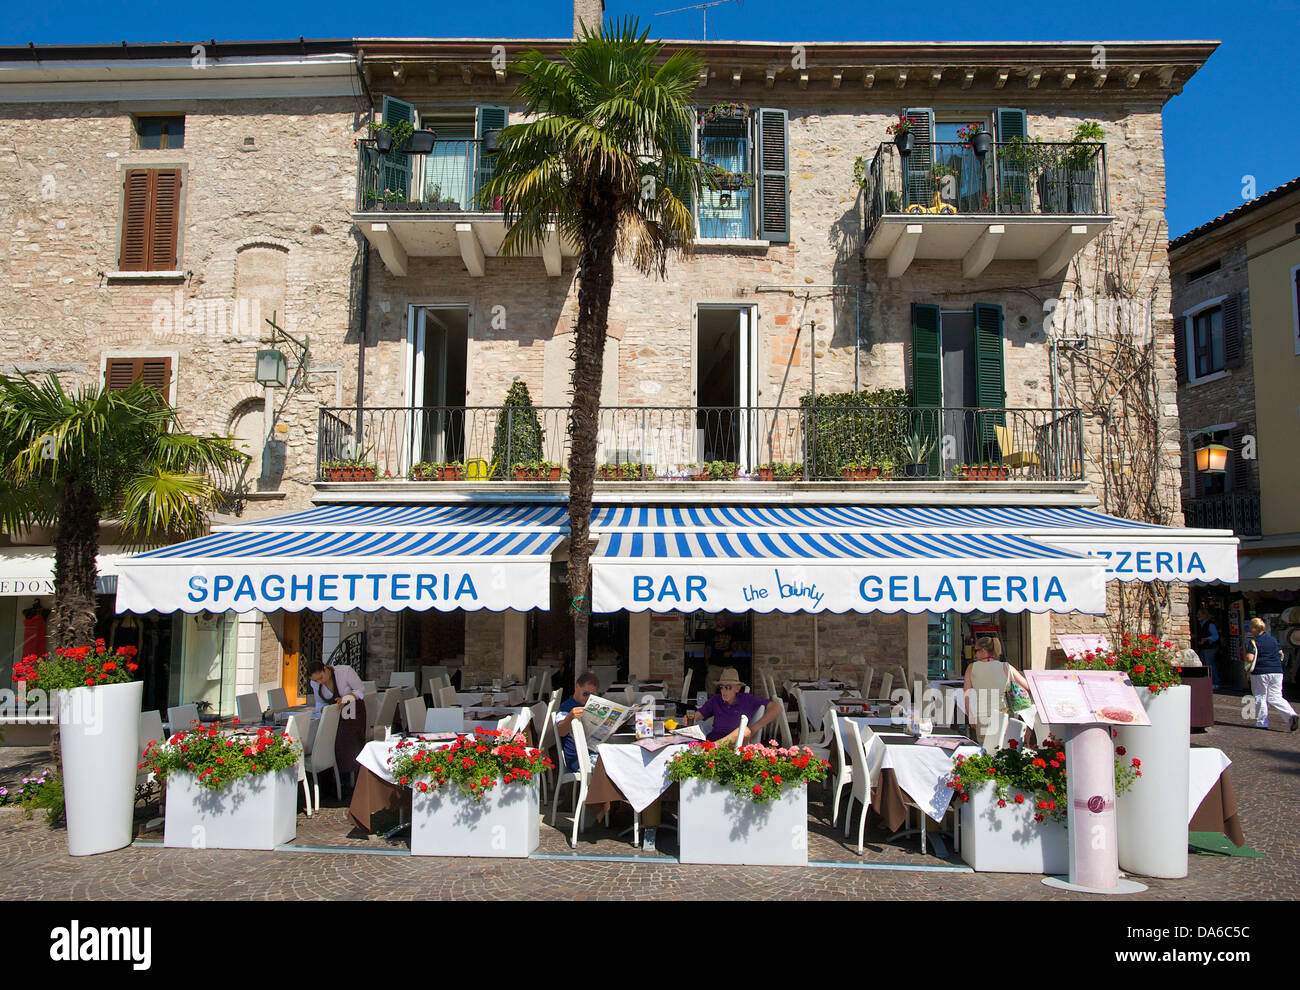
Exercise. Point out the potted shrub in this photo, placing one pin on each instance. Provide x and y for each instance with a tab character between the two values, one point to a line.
1151	819
779	471
632	470
916	449
1080	163
979	140
610	472
1053	181
425	471
518	436
1014	807
97	700
745	806
418	143
227	790
476	797
860	471
1017	160
722	470
451	471
724	110
349	469
387	135
435	202
540	470
901	131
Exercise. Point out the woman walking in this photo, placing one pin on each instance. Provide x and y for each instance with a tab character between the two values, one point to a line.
1264	663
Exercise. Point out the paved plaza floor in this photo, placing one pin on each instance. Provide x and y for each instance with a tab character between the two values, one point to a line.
331	859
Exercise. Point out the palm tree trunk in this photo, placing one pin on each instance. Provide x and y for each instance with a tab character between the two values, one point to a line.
595	283
76	545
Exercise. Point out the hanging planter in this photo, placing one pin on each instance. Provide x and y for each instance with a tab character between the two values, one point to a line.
419	143
383	142
904	141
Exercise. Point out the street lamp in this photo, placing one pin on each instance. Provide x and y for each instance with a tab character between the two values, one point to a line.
272	369
1212	458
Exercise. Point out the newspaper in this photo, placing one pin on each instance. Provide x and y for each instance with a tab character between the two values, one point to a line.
601	718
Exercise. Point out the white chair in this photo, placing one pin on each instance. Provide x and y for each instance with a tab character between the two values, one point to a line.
447	697
868	675
413	712
150	727
886	685
248	708
444	720
371	688
844	775
293	732
386	711
820	742
1012	729
530	692
402	678
582	777
322	752
607	675
428	673
865	761
546	732
686	686
182	717
276	700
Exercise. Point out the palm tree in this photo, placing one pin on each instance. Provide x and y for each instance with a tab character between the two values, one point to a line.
68	460
604	159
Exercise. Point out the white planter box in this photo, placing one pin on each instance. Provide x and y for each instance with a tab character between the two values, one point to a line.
99	734
1008	840
259	812
716	825
504	823
1151	818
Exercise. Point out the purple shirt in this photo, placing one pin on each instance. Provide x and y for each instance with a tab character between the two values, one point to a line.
726	718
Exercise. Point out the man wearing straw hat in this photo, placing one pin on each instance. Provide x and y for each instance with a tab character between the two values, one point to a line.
730	704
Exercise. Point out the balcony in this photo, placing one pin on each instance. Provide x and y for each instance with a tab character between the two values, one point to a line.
1022	201
650	444
428	206
1237	511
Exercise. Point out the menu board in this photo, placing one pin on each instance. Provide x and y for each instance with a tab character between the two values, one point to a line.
1075	644
1085	697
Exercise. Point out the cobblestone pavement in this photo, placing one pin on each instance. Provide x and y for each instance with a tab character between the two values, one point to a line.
34	861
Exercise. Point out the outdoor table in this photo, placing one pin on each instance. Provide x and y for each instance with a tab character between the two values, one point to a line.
919	771
626	772
816	702
468	699
376	791
1211	802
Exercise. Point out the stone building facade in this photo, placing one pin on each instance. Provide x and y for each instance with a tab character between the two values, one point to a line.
272	221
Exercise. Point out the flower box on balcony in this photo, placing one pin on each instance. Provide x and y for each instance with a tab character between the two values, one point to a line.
350	472
982	472
779	472
443	206
867	472
542	471
452	472
609	472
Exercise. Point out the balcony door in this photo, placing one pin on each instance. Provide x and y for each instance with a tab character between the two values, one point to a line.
726	384
438	345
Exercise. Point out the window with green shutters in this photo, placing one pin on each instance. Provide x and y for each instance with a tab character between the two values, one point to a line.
752	156
489	119
395	166
990	383
927	359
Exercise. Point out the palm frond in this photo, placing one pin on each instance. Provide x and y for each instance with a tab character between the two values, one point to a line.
162	506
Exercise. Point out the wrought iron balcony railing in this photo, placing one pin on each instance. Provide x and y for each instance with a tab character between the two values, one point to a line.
447	180
656	443
1013	178
1237	511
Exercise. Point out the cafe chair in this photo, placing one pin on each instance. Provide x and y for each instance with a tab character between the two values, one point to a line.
322	752
402	679
582	778
865	760
277	700
530	691
886	686
182	718
248	708
686	686
868	675
293	732
444	720
385	712
447	697
821	743
1011	457
546	732
428	674
844	773
413	712
1012	729
150	727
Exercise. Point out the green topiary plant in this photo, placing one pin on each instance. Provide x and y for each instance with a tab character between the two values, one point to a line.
519	436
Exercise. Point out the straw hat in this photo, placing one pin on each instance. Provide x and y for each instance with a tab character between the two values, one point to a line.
730	675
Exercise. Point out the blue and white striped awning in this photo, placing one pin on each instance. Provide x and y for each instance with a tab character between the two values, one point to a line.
770	569
368	557
1130	551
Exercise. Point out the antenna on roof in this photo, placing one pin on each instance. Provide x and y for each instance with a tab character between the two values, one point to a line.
703	8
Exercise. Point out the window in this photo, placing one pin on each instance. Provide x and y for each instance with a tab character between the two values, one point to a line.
1204	270
1207	342
151	202
748	197
120	373
728	210
160	132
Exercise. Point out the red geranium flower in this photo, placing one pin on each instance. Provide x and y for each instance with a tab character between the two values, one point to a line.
1120	750
757	790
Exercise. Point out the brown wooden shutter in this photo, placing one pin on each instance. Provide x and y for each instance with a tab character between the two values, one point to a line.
1233	351
120	373
1240	466
166	213
1180	350
135	222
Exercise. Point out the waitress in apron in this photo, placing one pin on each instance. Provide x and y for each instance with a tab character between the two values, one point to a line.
341	686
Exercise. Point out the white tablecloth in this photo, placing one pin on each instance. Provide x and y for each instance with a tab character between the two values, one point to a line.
923	771
374	757
506	697
641	776
1205	764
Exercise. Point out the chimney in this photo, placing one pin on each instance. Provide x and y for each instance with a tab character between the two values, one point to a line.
588	12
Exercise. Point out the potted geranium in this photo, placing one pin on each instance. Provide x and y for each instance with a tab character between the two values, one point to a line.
348	469
1013	806
901	131
744	806
780	471
227	790
1151	818
475	797
97	699
979	140
722	470
724	110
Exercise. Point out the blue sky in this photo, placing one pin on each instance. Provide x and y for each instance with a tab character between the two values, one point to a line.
1252	78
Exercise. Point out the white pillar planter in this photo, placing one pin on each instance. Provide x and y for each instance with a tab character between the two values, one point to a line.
1008	840
503	823
99	735
258	812
1151	818
716	825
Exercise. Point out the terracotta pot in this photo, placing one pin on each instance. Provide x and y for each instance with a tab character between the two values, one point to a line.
766	474
522	475
557	473
452	474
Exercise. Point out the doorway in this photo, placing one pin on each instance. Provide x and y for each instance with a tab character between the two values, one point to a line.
957	370
726	384
440	342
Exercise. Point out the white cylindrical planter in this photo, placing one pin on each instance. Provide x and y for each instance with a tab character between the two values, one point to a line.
1152	817
99	733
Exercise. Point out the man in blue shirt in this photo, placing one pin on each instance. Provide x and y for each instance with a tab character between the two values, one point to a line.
730	703
587	685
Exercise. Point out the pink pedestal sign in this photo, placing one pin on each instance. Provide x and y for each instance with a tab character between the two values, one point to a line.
1087	703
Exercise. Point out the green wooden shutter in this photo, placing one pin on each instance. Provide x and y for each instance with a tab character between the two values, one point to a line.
774	176
990	384
1234	355
395	167
1012	124
684	139
927	362
489	118
1015	191
919	162
1180	350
